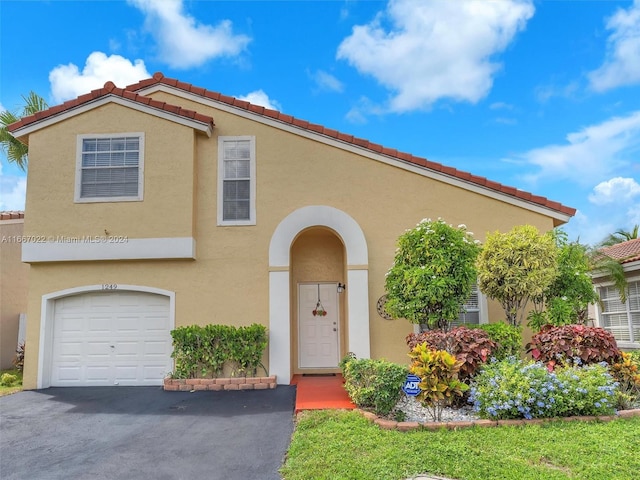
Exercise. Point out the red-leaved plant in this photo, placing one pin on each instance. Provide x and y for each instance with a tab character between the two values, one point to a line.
571	344
471	346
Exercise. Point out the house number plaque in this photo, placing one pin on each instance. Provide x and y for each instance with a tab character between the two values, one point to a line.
109	286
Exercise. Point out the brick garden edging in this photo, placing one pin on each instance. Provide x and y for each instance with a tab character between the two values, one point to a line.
218	384
407	426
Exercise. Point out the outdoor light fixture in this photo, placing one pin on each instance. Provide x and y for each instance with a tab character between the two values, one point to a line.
341	287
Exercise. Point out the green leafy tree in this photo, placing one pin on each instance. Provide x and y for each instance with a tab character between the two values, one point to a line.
515	267
567	298
14	149
432	274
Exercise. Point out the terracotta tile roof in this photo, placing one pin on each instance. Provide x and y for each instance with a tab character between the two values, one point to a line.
625	252
110	89
11	215
158	78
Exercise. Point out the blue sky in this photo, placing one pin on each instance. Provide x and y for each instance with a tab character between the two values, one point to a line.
540	95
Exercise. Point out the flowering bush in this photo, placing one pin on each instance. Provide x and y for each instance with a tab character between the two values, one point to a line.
514	389
432	273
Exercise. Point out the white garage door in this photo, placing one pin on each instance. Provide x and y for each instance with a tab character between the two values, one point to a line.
111	338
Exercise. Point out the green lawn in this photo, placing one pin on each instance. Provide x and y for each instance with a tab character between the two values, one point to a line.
15	388
336	445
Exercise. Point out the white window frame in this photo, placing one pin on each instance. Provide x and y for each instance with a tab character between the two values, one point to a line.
78	184
252	181
600	316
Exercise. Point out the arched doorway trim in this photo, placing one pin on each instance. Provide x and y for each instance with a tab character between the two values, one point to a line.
279	287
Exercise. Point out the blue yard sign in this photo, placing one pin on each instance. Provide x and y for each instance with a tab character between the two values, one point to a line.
410	386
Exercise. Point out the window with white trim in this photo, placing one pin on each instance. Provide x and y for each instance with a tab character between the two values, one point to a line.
109	168
621	319
236	180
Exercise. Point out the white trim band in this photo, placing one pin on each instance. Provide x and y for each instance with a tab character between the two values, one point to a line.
108	248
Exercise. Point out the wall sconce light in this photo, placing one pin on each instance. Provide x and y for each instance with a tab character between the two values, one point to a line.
341	287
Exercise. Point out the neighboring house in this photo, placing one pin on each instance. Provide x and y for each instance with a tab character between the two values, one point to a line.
13	286
621	319
165	204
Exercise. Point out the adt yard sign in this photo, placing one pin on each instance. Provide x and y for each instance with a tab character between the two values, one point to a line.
410	386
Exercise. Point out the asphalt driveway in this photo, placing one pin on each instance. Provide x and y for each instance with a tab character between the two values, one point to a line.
144	433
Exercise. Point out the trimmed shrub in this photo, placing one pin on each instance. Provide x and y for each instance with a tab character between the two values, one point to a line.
439	384
374	385
472	347
516	389
8	380
202	352
569	344
507	337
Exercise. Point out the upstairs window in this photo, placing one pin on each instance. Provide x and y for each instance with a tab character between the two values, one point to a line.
236	181
109	168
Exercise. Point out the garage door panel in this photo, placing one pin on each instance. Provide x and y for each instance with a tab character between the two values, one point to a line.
69	373
111	338
155	349
97	374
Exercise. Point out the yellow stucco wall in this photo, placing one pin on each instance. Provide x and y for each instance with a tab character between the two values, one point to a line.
14	277
229	280
168	179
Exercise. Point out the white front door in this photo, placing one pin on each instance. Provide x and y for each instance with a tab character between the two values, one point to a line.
318	335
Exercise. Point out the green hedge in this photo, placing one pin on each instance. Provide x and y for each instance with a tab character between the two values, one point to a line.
205	351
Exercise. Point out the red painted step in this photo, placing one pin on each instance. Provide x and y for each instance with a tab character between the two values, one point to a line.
320	393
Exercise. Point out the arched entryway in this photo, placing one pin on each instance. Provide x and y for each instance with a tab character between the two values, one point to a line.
317	269
288	258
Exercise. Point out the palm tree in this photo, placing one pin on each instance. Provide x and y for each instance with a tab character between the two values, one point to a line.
620	236
603	265
15	150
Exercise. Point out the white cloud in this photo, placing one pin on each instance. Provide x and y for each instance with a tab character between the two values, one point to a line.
633	213
501	106
326	81
258	97
589	154
67	81
435	49
13	191
621	65
615	190
183	42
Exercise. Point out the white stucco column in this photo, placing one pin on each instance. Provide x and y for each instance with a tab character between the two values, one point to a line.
279	327
358	292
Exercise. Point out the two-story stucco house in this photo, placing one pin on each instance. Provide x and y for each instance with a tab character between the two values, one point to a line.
164	204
